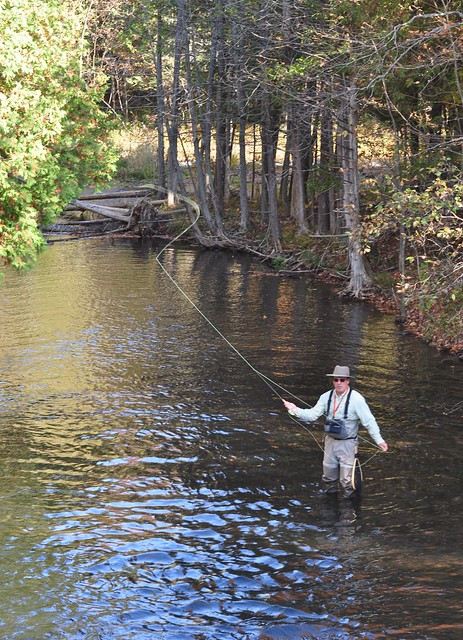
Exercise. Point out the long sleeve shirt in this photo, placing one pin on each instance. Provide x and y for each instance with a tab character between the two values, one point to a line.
358	412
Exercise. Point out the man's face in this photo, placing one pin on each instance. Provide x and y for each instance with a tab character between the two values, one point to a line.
340	385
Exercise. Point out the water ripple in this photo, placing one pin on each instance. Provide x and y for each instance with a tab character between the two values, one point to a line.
152	487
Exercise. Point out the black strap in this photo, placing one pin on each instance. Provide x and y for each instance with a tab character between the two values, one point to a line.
346	406
329	401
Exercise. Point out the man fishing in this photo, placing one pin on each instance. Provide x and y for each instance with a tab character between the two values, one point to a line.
344	409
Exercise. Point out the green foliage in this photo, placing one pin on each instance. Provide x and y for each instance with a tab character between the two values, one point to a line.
279	263
51	129
431	220
384	280
322	178
310	258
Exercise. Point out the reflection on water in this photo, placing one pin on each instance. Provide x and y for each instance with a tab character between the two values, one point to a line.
153	487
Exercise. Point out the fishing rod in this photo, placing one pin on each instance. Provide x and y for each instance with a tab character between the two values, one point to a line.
274	386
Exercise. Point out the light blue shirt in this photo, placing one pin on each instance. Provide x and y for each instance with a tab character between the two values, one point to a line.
358	412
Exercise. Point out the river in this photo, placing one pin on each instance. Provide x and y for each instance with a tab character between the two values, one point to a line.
152	485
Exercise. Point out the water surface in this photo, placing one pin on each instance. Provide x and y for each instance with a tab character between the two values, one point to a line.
152	486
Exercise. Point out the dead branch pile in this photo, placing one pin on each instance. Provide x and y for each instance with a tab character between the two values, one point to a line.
135	210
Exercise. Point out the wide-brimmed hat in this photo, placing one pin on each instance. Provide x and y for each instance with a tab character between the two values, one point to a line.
340	372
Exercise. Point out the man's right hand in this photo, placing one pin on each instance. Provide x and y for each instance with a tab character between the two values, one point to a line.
383	446
289	405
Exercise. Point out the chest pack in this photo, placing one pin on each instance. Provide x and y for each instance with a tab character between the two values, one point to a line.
335	427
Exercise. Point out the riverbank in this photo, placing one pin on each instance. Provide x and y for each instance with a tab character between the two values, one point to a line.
325	257
328	261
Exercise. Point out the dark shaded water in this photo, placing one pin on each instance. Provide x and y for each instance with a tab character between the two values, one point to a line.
152	486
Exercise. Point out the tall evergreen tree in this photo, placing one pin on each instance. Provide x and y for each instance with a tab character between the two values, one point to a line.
52	130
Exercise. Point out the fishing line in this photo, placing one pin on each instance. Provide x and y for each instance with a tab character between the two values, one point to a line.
274	386
268	381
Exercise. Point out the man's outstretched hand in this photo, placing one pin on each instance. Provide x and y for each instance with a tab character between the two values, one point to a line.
289	405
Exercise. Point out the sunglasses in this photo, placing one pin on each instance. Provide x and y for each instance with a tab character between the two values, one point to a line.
340	379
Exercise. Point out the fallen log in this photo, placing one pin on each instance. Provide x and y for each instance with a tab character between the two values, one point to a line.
65	222
114	203
134	193
122	203
106	212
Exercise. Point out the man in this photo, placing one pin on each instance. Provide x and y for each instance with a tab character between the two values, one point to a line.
344	408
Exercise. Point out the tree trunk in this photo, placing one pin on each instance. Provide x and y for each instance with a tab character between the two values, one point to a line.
285	182
200	177
254	152
221	125
206	126
269	186
326	153
173	165
309	137
238	47
161	116
160	107
402	243
230	138
297	186
106	212
360	280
